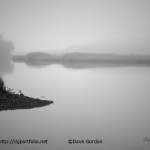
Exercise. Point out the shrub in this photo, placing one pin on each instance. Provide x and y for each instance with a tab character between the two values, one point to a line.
2	85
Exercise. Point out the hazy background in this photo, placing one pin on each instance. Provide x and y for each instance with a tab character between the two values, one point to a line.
120	26
6	49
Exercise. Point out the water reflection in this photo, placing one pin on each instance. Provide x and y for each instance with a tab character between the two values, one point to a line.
6	68
84	65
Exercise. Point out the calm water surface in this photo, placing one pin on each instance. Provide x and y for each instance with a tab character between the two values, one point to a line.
108	103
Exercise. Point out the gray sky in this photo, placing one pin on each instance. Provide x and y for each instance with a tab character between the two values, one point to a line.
58	24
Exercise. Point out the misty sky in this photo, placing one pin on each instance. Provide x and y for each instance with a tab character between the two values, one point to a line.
98	25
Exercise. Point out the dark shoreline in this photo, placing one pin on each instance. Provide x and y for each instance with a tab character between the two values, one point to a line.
11	101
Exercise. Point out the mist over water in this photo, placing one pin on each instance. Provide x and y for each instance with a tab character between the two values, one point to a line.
119	46
107	103
92	100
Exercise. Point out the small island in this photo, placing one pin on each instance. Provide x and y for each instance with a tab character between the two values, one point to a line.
11	101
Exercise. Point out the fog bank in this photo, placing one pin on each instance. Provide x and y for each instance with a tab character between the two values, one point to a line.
6	48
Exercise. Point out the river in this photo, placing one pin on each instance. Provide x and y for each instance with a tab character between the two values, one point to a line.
107	104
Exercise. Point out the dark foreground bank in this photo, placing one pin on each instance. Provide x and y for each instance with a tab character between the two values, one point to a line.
16	101
12	101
